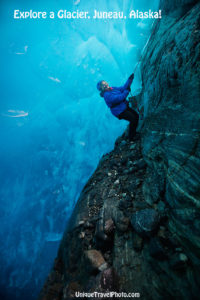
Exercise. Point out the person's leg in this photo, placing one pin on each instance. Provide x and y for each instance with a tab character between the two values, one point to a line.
133	124
131	116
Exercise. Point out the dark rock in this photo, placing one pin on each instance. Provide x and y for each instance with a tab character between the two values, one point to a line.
117	142
177	8
129	163
132	147
140	164
154	186
120	170
103	159
170	143
58	265
123	143
178	261
102	241
145	221
88	225
124	161
94	261
132	154
138	182
125	203
70	289
130	170
105	281
156	249
161	207
108	257
121	222
137	242
140	205
94	220
109	280
162	233
116	183
126	172
113	164
109	227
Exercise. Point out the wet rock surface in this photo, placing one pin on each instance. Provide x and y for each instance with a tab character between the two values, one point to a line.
135	227
100	250
145	221
170	133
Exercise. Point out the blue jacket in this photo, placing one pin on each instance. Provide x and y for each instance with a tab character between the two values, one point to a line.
117	96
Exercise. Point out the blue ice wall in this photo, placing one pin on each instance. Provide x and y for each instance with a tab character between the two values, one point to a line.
54	125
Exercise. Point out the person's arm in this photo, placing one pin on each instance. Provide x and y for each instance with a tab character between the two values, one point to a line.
127	84
114	99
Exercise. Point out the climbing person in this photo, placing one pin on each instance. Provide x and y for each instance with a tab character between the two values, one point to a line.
115	98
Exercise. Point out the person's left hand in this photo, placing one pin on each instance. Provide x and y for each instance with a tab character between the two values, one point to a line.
131	77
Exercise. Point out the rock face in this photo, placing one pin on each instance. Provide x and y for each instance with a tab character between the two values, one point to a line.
145	221
135	227
171	127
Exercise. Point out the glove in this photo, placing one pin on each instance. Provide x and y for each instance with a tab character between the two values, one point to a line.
128	88
131	77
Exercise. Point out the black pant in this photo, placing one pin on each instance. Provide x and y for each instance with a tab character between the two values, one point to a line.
132	116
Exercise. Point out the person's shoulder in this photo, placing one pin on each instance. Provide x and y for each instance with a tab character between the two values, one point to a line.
117	88
108	92
104	94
